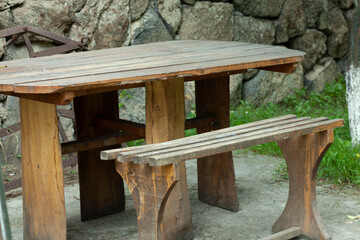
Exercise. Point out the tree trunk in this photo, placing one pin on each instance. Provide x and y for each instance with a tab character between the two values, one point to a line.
353	79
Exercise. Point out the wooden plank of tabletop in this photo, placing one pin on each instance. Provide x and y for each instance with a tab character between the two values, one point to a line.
189	69
129	51
74	68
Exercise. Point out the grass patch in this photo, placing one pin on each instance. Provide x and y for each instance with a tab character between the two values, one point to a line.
341	163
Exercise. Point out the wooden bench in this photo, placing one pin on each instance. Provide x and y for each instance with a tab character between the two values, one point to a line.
303	142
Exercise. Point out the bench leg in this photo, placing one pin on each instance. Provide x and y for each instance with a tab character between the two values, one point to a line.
101	188
216	177
303	156
150	188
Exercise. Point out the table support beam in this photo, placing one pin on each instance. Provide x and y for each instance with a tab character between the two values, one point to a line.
101	188
216	177
43	184
165	120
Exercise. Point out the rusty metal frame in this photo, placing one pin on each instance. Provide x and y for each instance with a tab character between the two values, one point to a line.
24	31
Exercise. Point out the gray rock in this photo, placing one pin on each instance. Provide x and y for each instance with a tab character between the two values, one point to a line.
271	86
6	4
255	30
170	10
250	74
312	10
325	71
312	42
13	113
53	16
132	104
2	50
292	21
6	19
259	8
77	5
105	22
3	113
138	8
3	97
207	21
11	143
149	29
346	4
189	92
189	2
333	24
236	82
67	123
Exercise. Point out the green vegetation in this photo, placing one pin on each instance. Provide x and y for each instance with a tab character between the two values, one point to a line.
341	164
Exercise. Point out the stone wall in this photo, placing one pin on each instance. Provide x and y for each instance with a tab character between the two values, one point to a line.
318	27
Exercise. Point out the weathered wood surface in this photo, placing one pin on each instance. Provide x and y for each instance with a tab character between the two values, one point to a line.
113	67
303	155
43	184
101	188
285	234
216	176
165	120
222	140
303	142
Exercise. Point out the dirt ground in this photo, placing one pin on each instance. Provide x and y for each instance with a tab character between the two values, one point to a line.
261	200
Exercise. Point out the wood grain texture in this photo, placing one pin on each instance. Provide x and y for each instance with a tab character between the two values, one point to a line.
150	188
165	120
303	155
216	176
79	72
101	188
43	186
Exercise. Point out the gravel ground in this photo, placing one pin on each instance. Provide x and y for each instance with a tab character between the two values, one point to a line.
261	201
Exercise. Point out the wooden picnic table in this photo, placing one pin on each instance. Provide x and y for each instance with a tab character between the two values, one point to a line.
92	80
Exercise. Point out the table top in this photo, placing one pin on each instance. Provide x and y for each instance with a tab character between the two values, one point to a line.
137	64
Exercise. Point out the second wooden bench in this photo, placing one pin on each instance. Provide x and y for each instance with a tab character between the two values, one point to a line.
303	142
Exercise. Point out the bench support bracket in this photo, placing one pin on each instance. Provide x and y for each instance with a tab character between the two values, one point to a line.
303	155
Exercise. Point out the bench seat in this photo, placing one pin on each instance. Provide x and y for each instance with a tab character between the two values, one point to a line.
303	142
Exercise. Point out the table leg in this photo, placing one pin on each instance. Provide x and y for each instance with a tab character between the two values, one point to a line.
216	177
165	120
101	188
43	186
303	156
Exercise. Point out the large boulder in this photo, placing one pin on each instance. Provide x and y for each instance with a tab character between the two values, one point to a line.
2	50
312	42
105	22
20	51
6	4
346	4
255	30
150	28
207	21
268	87
6	19
137	8
312	10
236	83
292	21
259	8
53	16
325	71
170	11
333	24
